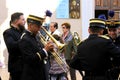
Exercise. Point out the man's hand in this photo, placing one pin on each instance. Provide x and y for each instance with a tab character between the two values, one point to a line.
49	46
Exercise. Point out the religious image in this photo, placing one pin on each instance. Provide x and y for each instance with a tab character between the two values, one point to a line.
74	9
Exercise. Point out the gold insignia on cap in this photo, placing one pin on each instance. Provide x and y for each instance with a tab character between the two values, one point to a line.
110	23
113	23
117	22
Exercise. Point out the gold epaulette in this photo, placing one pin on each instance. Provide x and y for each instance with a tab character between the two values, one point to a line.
104	36
39	55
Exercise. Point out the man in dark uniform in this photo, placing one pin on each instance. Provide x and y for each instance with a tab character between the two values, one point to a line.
33	51
93	54
11	38
112	33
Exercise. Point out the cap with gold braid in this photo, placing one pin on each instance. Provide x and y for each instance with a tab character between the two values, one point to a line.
112	23
98	23
35	20
117	23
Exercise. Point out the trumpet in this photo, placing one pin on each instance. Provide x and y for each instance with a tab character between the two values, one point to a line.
60	45
56	56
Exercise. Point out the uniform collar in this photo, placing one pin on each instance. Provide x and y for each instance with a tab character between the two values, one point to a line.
30	33
92	35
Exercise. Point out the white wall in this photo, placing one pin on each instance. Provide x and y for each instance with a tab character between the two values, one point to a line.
88	10
79	25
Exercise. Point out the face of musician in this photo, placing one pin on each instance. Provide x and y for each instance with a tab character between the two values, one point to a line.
118	31
34	28
52	28
112	32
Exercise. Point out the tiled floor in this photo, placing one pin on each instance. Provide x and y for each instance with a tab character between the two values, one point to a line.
5	75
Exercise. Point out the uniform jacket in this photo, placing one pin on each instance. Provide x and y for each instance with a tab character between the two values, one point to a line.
94	54
33	68
116	41
11	38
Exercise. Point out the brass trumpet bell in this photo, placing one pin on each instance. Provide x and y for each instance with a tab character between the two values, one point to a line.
61	46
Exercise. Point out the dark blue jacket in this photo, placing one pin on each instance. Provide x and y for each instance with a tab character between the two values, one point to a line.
94	53
33	68
11	38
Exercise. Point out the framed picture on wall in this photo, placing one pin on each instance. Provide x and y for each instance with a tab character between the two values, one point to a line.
74	9
68	9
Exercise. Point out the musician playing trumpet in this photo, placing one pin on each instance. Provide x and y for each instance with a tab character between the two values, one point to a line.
33	53
58	71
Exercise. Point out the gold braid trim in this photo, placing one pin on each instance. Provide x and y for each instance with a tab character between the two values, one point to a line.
39	55
37	19
97	21
104	36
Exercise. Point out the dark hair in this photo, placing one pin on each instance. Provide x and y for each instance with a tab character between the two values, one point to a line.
55	25
67	25
95	29
15	16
